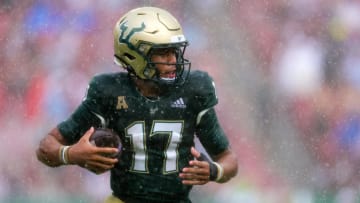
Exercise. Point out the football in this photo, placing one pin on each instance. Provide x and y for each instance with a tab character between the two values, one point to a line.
104	137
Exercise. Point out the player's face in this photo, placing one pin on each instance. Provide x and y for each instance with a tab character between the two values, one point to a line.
165	60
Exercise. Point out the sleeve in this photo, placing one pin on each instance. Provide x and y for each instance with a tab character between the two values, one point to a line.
211	134
86	114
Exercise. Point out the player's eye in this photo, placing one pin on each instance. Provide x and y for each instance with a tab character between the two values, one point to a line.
163	51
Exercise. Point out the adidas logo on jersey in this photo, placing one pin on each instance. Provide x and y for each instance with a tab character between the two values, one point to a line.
179	103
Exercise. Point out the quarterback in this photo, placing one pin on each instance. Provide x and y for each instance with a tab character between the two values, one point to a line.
157	107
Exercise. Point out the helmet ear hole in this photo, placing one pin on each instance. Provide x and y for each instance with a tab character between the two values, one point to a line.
130	57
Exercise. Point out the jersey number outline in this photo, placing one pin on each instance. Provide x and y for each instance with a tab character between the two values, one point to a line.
137	135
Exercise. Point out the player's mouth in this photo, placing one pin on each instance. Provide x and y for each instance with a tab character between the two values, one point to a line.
168	75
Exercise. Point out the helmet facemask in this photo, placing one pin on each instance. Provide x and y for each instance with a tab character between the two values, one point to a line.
182	65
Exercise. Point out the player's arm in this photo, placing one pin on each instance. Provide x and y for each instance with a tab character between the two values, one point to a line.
54	151
223	165
216	143
68	143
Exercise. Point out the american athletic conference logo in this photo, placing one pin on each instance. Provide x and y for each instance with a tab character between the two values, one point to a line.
179	103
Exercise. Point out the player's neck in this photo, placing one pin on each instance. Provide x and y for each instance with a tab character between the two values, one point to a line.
147	88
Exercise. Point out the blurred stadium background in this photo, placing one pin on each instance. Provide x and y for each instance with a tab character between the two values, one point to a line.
287	75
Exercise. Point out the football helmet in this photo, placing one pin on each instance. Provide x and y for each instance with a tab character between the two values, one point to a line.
139	33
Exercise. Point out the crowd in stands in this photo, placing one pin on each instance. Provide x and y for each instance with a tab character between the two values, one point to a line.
287	76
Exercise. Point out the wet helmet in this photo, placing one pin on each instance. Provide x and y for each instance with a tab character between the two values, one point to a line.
141	31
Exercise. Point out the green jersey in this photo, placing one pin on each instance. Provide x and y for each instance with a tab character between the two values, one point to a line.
156	134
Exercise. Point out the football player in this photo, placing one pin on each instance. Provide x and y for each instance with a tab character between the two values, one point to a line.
156	106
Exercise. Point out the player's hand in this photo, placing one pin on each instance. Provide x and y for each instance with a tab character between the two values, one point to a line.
95	159
197	173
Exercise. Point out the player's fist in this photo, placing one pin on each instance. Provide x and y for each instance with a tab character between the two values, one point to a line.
91	157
